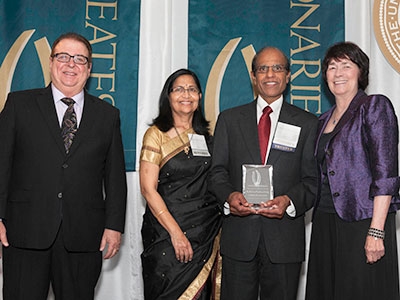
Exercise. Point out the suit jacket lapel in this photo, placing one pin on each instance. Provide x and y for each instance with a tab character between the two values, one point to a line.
349	113
285	116
347	116
87	121
249	131
46	105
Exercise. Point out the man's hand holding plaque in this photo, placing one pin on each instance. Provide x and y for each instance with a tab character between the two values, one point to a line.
258	194
274	208
238	205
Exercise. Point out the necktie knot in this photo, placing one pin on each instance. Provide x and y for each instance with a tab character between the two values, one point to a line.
266	111
68	101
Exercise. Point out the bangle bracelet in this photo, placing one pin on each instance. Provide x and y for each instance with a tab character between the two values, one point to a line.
160	213
376	233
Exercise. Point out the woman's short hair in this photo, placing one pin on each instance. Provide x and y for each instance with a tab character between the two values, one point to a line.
352	52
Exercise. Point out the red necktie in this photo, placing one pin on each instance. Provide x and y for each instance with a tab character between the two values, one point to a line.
264	129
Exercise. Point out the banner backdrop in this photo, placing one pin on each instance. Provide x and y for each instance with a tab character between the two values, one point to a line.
29	27
224	36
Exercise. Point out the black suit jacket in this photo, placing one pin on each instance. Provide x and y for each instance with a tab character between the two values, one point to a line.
294	174
41	186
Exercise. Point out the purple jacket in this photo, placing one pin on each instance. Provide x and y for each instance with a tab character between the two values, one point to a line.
362	156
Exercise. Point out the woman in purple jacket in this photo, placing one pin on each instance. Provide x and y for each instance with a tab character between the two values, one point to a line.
353	251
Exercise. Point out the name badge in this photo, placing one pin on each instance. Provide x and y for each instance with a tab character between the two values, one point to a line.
198	145
286	137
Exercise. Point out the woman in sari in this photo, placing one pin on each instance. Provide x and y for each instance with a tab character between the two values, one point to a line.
182	220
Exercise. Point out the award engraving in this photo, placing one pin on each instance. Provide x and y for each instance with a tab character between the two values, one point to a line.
257	184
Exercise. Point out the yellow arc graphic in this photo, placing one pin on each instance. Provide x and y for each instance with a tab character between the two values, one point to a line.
44	52
7	68
214	81
213	87
248	54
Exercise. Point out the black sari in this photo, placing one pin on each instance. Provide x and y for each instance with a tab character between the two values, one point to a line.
183	186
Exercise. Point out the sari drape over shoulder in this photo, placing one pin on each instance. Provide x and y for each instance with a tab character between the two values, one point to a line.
182	184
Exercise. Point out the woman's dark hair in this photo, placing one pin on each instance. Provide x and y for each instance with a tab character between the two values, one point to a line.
164	121
352	52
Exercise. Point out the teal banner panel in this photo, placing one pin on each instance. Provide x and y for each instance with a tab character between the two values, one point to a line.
29	27
225	34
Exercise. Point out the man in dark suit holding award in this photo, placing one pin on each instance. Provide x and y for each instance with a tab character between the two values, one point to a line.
62	182
263	247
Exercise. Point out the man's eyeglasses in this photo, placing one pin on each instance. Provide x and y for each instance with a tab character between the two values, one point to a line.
181	90
65	58
275	69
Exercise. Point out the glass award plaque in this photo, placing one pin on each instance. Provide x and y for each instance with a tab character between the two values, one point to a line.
257	184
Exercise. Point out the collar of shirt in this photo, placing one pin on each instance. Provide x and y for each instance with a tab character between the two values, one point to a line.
276	109
61	107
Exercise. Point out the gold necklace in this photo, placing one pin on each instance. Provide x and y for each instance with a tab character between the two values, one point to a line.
186	148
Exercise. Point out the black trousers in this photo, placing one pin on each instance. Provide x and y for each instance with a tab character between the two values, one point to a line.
259	278
28	273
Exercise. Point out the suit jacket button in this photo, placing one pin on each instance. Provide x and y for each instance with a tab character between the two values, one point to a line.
59	195
332	173
336	194
65	166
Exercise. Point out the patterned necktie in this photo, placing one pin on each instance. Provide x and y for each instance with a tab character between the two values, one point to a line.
264	129
69	126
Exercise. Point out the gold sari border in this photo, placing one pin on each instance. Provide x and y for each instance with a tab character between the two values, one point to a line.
166	158
213	267
159	148
150	154
175	146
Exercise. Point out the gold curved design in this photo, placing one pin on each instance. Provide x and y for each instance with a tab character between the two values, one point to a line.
44	51
248	54
213	87
7	68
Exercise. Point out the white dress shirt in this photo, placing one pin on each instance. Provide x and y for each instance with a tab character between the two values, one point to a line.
274	115
61	107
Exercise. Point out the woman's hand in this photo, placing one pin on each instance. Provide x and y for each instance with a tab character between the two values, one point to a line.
148	184
374	249
183	248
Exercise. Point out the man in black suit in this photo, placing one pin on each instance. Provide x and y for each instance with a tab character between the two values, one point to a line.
263	248
60	207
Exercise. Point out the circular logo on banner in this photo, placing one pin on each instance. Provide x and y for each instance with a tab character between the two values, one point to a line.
386	17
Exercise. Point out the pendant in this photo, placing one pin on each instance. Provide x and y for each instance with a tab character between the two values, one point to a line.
186	149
